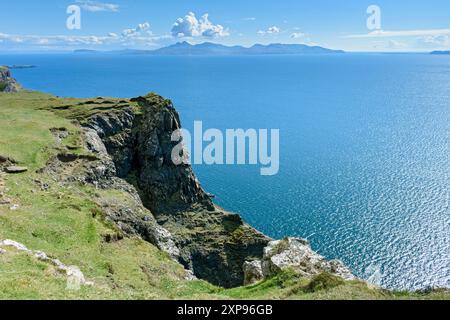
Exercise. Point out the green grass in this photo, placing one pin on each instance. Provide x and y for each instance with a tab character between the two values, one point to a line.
65	222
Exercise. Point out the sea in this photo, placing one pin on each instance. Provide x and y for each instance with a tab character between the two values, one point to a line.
364	144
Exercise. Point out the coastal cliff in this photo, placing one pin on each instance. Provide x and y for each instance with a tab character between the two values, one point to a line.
97	189
132	141
7	83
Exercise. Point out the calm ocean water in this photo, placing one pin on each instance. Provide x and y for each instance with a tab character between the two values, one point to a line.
365	154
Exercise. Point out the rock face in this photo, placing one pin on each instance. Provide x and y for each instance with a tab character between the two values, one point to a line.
141	146
129	215
212	243
294	254
7	83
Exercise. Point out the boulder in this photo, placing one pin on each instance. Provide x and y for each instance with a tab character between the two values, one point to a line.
16	169
14	244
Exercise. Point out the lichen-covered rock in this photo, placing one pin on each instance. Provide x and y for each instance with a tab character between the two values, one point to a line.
296	254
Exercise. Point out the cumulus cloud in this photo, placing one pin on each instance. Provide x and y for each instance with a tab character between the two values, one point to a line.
140	28
190	26
271	30
94	6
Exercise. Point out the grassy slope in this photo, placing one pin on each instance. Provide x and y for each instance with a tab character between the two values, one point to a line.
60	221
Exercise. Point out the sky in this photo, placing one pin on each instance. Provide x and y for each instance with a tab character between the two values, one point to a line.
351	25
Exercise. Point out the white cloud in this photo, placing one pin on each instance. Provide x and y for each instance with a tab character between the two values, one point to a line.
394	44
296	35
271	30
190	26
439	41
250	19
140	36
94	6
140	28
405	33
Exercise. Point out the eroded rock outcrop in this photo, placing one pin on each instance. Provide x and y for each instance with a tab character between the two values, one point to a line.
293	254
7	83
128	214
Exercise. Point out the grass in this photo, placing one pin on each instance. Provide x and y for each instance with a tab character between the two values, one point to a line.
65	222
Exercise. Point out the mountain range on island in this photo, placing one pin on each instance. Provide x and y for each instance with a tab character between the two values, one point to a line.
209	48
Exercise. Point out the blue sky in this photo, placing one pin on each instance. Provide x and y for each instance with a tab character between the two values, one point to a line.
27	25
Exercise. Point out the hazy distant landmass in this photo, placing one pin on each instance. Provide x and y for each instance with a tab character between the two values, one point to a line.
21	66
440	52
208	48
85	51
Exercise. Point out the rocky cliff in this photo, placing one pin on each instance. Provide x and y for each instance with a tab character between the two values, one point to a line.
7	83
214	244
130	149
127	146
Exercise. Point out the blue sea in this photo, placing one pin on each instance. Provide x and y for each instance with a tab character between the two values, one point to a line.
365	152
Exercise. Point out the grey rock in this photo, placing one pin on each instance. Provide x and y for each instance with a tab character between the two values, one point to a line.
10	243
16	169
75	278
253	272
296	254
41	256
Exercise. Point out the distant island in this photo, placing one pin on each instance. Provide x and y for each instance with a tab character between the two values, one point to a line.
214	49
21	66
440	52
